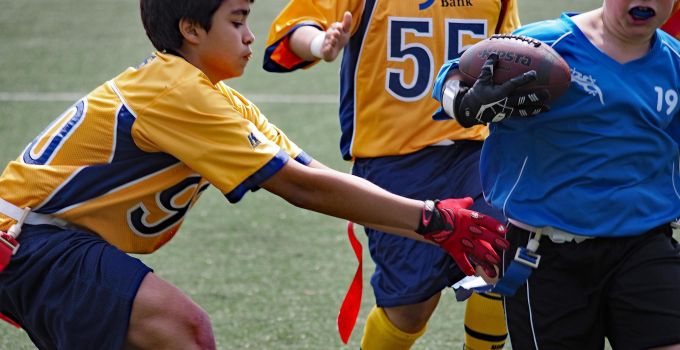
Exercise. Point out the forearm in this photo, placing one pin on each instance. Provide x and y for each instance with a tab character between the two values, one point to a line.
447	100
318	165
402	232
358	200
445	73
443	76
398	231
346	196
301	40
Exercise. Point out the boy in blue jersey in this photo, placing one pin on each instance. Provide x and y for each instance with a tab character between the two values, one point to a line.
118	171
592	185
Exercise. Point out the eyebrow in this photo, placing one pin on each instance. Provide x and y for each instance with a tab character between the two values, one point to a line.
241	12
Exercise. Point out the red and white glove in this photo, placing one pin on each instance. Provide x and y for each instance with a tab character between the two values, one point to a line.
468	236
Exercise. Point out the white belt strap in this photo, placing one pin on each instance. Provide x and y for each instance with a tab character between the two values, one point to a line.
556	235
14	212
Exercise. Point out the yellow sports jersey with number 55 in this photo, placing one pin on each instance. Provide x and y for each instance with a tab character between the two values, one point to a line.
389	65
130	159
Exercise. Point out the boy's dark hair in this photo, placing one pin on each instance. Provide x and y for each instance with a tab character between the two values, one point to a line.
161	19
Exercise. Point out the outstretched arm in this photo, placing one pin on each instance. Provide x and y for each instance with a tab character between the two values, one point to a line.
395	230
311	44
345	196
469	237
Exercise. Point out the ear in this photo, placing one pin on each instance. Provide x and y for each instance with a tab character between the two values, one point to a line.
189	30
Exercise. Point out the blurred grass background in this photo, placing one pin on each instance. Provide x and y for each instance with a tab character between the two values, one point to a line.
271	276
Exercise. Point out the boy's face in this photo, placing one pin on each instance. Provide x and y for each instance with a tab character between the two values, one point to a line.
636	19
225	50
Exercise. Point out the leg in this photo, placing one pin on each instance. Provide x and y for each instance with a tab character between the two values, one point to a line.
394	328
408	278
485	322
413	317
560	306
409	275
643	298
70	289
164	318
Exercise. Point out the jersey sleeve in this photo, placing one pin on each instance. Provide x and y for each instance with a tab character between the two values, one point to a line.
271	131
318	13
438	89
509	18
200	127
548	31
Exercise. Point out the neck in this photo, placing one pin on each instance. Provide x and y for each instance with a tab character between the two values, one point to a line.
194	59
608	35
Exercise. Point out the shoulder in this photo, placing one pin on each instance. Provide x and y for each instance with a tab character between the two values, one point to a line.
236	99
178	82
670	50
167	88
668	42
547	31
159	76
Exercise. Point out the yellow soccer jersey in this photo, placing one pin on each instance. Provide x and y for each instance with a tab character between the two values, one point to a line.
130	159
389	65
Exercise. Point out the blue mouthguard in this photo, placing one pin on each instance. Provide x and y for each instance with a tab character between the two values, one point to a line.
642	12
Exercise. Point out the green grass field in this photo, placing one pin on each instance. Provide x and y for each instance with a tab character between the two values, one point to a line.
270	275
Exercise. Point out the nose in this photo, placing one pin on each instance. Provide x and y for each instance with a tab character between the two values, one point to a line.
249	37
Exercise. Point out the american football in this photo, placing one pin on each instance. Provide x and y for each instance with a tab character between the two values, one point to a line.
517	55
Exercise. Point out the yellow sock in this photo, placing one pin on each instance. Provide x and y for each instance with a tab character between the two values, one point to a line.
381	334
485	322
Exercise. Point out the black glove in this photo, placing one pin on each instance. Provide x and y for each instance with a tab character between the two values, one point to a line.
487	102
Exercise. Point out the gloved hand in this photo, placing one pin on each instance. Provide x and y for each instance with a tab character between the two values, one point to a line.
487	102
468	236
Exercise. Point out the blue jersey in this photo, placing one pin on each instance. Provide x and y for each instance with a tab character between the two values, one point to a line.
604	160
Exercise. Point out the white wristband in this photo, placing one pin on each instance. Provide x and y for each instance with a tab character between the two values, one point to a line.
451	89
316	44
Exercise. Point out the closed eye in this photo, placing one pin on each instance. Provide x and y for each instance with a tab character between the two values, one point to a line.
239	17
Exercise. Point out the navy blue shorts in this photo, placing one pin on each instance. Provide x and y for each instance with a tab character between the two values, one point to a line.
408	271
625	289
70	289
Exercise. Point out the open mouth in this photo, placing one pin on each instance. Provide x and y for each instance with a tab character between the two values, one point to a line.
642	13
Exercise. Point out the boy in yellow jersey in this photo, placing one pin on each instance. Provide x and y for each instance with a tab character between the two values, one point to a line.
392	50
118	171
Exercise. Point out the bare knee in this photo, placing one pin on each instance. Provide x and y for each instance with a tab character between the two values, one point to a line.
164	318
196	324
412	318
